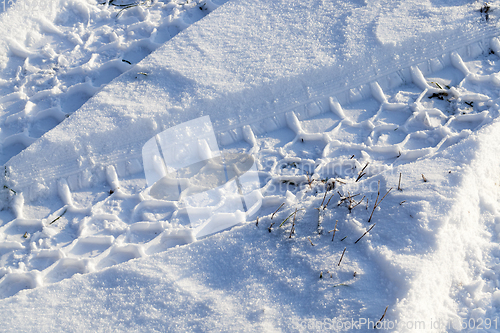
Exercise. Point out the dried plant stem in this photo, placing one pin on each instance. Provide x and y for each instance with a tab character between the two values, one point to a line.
381	318
399	184
342	256
349	197
320	219
295	212
361	173
377	203
329	200
324	197
353	203
367	231
277	210
57	218
293	224
335	229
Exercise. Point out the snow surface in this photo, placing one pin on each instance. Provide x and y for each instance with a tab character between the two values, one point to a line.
374	122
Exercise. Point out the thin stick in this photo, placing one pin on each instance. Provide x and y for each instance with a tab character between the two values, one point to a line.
399	184
381	318
361	174
335	229
351	206
367	231
293	224
423	177
270	227
349	197
311	241
320	219
57	218
377	203
257	223
296	210
323	199
342	256
277	210
329	201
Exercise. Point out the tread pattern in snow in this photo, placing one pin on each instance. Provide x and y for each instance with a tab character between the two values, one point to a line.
373	128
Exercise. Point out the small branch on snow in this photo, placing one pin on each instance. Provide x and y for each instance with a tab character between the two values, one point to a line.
277	210
377	203
342	256
367	231
381	318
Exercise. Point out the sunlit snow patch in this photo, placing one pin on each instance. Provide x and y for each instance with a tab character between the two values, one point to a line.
184	164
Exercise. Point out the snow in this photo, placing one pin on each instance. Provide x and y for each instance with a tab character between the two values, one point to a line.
358	144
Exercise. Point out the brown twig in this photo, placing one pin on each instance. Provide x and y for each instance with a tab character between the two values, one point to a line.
342	256
329	200
423	177
292	231
324	197
399	184
335	229
349	197
367	231
295	212
320	219
377	203
311	241
57	218
381	318
309	180
352	203
277	210
361	173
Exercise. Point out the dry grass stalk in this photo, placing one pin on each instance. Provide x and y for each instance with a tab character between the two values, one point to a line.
367	231
329	200
361	173
381	318
295	212
277	210
292	231
334	229
353	203
342	256
377	203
